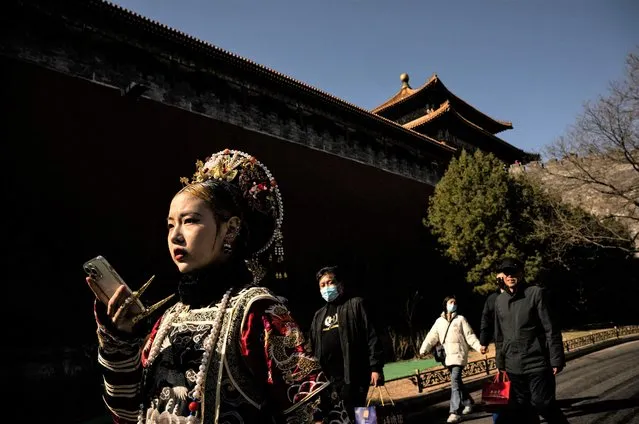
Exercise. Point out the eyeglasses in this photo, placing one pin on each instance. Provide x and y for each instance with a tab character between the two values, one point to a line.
509	271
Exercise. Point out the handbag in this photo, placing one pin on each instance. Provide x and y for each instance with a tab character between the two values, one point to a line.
439	353
379	414
496	392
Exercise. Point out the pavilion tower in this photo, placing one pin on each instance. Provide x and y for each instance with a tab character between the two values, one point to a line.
433	110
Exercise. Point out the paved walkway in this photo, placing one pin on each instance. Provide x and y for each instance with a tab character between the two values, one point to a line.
599	388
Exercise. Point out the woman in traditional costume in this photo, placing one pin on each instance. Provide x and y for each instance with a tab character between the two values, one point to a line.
229	350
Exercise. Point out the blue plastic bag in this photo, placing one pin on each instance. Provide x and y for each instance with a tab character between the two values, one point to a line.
365	415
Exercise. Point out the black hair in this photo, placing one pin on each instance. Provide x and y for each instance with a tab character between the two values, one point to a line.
226	200
446	299
333	270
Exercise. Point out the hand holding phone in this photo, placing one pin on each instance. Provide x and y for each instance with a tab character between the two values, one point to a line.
123	305
107	282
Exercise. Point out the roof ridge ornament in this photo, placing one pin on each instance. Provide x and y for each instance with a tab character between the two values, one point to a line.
404	78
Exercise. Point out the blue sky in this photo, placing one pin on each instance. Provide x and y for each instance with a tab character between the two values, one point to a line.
532	62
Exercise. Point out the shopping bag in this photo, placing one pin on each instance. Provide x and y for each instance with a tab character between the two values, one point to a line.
365	415
496	392
384	413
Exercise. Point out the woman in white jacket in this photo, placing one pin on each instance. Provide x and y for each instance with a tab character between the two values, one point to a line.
456	341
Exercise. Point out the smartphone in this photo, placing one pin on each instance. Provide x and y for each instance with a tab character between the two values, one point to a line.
107	281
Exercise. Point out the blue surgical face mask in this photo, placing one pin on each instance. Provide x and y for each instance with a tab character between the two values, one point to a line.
329	293
451	307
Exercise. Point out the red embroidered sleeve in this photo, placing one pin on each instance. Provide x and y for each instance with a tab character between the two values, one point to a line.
273	346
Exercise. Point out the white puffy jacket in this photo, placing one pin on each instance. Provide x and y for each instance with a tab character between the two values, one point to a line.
458	341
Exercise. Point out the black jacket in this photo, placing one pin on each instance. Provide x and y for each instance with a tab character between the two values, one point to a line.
488	320
527	338
361	348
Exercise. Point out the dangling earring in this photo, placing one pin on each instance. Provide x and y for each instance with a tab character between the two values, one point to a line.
226	247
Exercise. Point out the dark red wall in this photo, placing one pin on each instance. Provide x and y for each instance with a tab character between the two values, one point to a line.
90	172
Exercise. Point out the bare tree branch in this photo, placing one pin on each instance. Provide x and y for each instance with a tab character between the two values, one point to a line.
596	166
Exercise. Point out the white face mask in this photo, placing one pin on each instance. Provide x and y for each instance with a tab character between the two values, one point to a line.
451	307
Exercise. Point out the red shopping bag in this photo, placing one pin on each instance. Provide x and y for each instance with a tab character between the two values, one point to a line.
496	392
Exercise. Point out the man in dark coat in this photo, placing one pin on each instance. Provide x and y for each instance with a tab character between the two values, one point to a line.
529	348
487	328
344	340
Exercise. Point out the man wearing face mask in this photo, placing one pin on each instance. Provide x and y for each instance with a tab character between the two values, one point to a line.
344	340
529	348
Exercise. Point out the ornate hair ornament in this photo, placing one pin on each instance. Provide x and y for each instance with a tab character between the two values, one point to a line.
259	189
